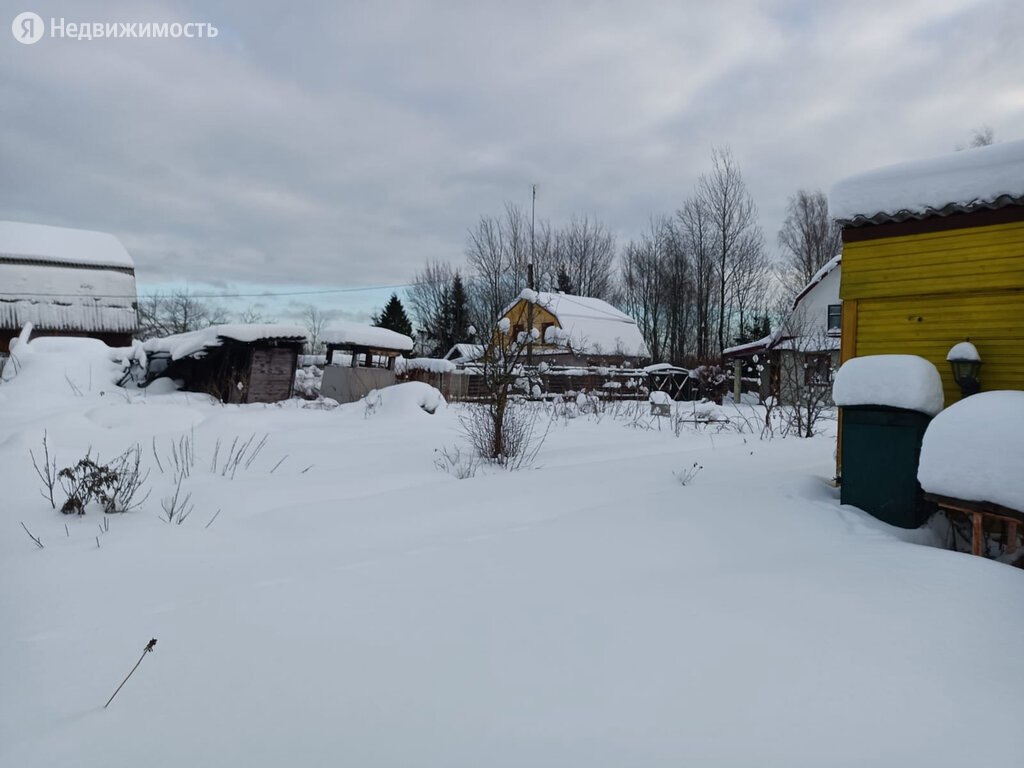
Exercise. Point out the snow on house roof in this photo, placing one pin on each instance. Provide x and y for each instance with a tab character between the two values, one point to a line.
359	335
182	345
894	381
591	325
750	346
972	450
982	178
66	297
464	353
21	241
820	275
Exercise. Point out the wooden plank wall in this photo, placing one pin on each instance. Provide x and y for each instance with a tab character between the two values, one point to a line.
272	374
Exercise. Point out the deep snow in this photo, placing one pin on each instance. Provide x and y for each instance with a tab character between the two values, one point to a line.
357	606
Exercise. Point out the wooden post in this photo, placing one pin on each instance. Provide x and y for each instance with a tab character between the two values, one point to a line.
1011	536
977	533
737	375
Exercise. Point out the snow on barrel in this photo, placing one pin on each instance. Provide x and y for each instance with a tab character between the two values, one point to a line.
895	381
974	450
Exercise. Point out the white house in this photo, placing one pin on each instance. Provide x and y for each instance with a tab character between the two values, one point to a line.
804	350
68	282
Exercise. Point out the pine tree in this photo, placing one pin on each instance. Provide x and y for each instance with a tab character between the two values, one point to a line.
564	283
451	324
459	311
393	317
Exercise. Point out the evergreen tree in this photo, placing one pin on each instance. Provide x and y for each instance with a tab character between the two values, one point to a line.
393	317
458	311
450	325
564	283
754	330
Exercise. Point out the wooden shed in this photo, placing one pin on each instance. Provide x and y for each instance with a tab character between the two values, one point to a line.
933	254
366	360
234	363
65	282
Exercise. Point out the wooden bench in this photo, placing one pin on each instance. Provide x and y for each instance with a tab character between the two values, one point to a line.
977	511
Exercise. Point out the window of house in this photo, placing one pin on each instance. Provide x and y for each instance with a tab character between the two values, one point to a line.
835	317
517	329
818	370
544	330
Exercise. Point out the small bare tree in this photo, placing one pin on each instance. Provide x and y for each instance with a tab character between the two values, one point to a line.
502	429
314	320
805	374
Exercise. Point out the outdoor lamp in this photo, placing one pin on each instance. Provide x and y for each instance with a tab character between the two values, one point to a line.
966	361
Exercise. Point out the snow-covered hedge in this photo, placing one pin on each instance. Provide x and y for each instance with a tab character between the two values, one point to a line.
896	381
975	450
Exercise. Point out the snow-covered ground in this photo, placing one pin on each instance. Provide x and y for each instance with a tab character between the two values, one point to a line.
358	606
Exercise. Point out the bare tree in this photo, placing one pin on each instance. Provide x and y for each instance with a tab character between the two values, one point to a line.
178	312
806	361
734	230
695	229
314	321
644	290
251	315
585	249
808	237
657	290
501	429
427	298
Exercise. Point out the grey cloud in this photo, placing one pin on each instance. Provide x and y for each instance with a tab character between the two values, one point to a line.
341	145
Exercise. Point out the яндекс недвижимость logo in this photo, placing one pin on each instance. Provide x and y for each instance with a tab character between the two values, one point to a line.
28	27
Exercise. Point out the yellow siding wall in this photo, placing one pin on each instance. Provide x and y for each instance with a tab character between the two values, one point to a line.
920	294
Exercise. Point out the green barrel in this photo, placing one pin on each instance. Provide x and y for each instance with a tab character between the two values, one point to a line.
881	448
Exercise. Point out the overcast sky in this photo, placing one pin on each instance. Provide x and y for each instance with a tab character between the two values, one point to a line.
343	145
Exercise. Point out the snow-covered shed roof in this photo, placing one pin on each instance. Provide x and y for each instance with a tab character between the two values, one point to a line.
63	279
358	335
182	345
974	179
973	449
590	325
22	241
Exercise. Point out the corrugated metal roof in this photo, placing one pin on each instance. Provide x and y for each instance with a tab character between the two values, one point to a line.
1002	201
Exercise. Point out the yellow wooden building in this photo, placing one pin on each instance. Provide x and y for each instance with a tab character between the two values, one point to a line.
933	254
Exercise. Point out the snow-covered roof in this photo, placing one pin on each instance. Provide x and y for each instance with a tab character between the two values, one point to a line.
359	335
973	449
985	177
820	275
463	353
751	346
590	325
427	364
895	381
22	241
57	297
182	345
